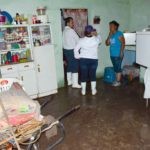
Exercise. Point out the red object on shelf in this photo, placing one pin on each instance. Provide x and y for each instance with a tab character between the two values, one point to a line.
34	18
15	58
7	62
2	19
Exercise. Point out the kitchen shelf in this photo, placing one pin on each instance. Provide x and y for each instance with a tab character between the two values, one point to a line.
32	70
44	45
40	24
17	63
14	26
13	50
15	39
42	36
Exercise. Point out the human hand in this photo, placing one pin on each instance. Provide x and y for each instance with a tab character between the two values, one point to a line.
110	34
77	56
94	33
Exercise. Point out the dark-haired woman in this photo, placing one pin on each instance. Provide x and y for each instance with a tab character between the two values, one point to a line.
86	50
116	42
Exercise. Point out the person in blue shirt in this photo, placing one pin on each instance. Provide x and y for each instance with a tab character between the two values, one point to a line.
116	42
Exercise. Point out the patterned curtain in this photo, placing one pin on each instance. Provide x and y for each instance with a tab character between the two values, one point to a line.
80	17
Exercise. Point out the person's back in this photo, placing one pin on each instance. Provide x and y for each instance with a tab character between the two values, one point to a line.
89	47
87	51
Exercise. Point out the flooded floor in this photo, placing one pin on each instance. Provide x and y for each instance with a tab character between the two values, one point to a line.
114	119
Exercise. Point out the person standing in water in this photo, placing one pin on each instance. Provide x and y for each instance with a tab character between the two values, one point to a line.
116	42
87	51
70	39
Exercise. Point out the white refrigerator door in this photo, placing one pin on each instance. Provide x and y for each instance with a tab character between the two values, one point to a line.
143	49
45	64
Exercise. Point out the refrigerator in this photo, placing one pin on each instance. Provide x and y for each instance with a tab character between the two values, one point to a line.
143	48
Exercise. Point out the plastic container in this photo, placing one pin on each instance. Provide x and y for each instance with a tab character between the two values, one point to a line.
2	20
2	46
41	11
15	58
109	75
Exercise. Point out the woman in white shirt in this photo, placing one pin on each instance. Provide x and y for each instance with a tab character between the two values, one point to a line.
87	51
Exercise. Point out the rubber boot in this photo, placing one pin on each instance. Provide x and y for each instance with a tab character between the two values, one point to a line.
75	81
69	78
83	86
93	88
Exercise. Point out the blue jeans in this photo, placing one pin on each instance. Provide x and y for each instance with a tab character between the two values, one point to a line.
116	61
88	69
72	63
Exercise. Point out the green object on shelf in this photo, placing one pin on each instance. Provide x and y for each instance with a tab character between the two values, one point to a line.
28	54
15	46
23	60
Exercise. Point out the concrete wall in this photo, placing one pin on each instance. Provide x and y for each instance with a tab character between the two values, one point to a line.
139	14
107	9
139	19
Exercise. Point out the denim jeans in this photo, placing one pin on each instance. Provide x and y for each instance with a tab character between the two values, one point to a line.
72	63
88	69
116	61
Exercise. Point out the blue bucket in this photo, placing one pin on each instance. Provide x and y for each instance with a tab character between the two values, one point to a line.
109	75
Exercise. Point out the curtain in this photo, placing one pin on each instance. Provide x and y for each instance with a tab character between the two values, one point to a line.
80	17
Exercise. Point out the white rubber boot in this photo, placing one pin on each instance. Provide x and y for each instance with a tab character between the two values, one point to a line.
83	85
75	81
69	78
93	88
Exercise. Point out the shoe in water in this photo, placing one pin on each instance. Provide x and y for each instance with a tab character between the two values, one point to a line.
116	84
94	92
83	92
76	86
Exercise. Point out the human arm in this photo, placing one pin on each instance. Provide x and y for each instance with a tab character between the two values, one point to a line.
76	51
122	40
98	37
75	36
107	42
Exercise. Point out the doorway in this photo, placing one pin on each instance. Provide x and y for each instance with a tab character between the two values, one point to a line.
80	17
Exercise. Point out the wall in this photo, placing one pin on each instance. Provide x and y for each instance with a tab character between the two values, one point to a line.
139	19
107	9
139	14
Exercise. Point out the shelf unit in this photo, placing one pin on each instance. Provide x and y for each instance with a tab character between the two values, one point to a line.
37	68
41	34
15	44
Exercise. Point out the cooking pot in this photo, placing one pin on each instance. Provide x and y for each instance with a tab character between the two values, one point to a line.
41	10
